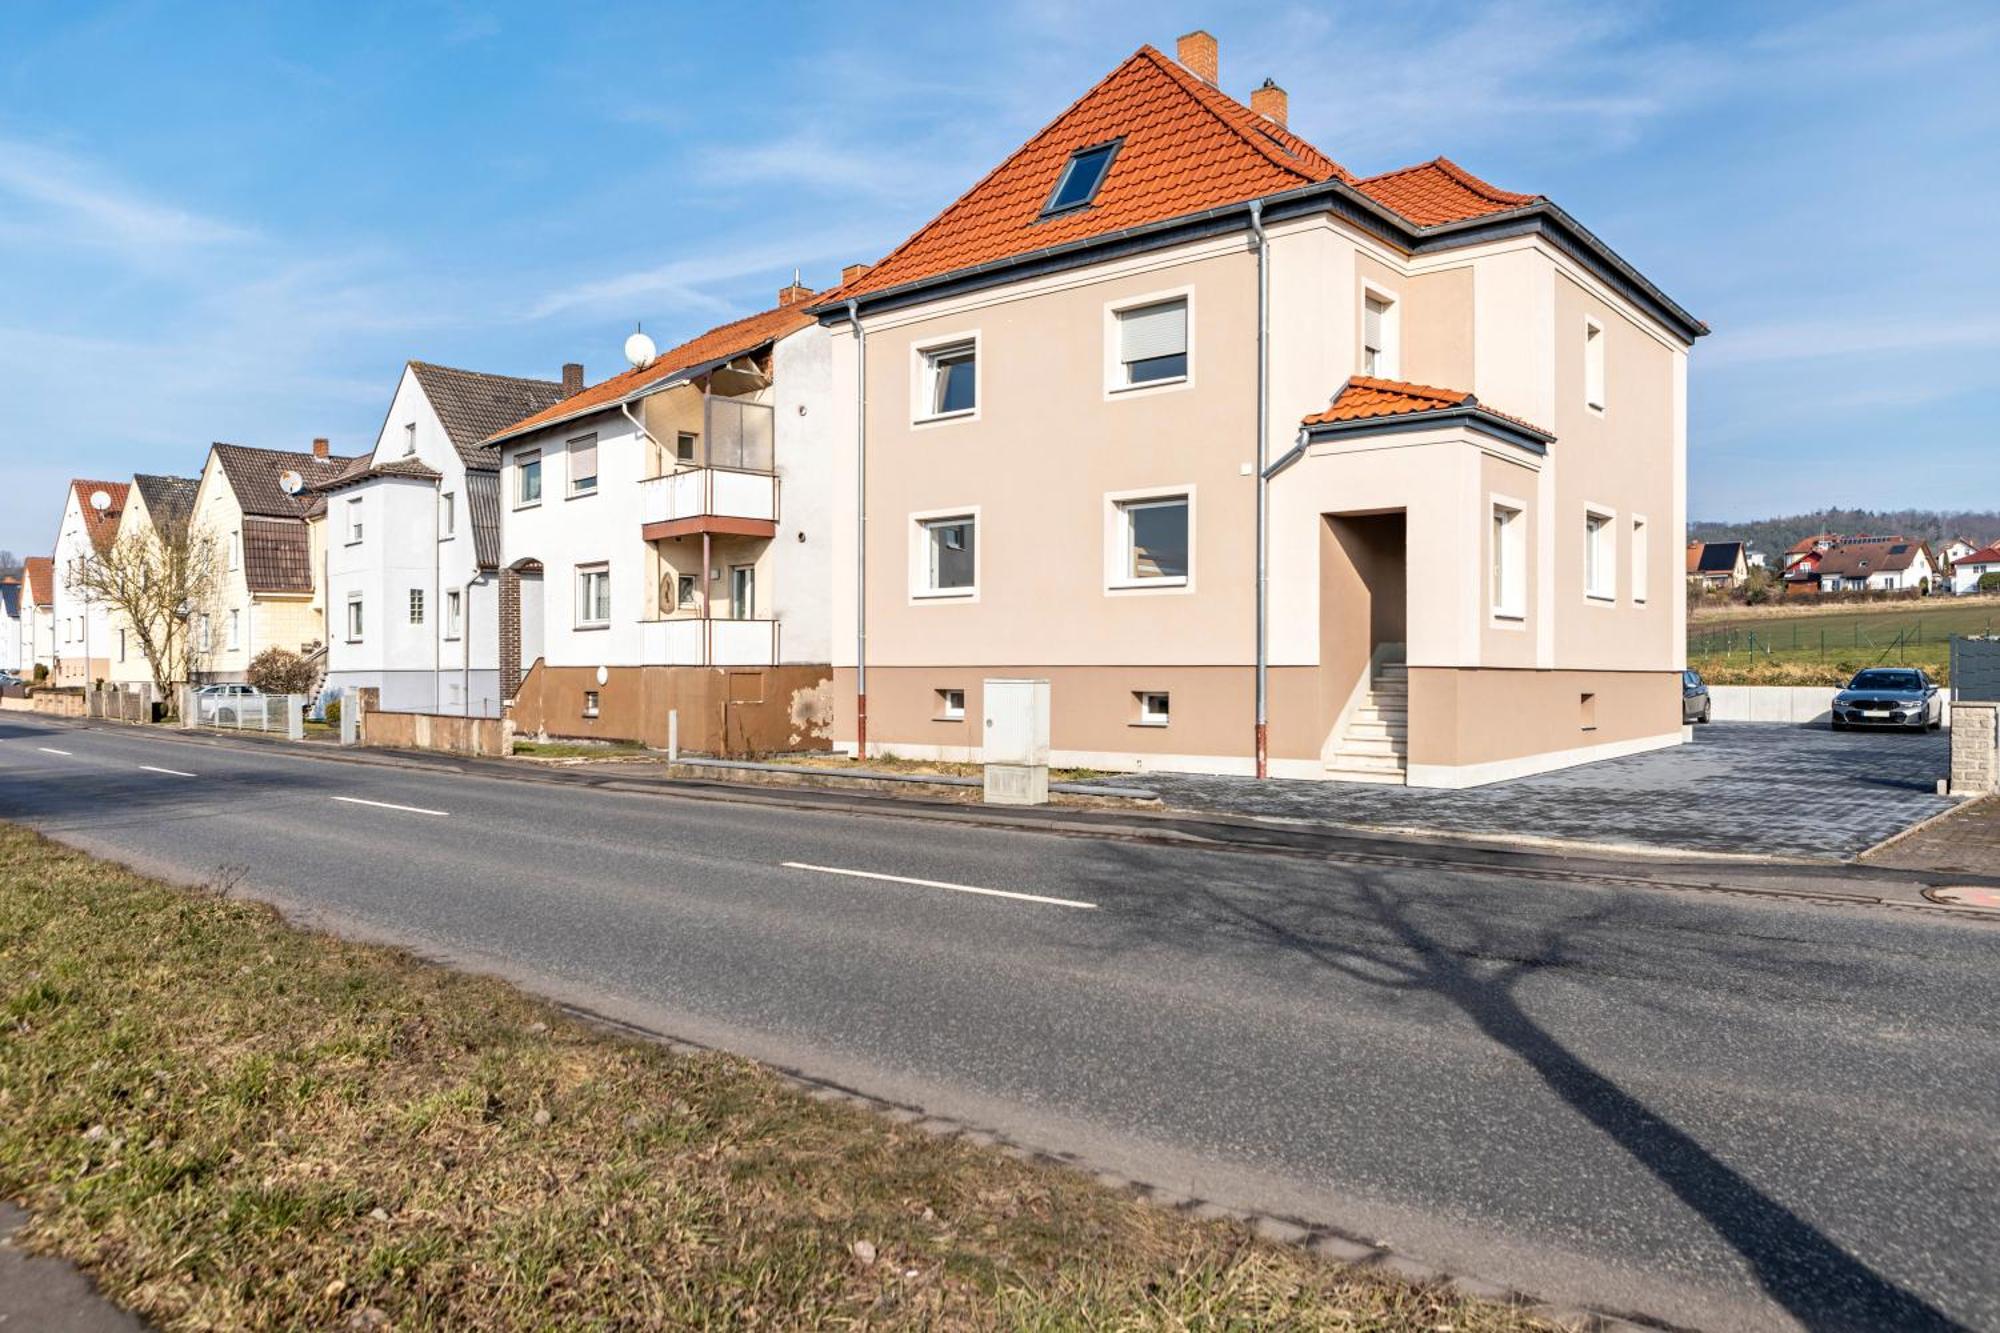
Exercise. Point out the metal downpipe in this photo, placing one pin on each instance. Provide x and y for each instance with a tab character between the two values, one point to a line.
860	533
1263	485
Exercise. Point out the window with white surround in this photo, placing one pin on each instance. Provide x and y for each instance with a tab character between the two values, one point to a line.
684	445
354	521
947	380
1151	541
236	550
416	606
949	556
1593	365
1639	570
684	590
1379	334
454	613
951	705
447	515
583	465
593	596
1509	590
590	703
1600	578
1152	344
1155	708
409	438
528	479
235	630
354	617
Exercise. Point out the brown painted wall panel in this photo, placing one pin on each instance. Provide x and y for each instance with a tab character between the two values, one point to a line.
722	710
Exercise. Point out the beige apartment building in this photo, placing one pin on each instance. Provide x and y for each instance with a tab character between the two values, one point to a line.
1166	335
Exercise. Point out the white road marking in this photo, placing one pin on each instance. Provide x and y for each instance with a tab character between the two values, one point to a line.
170	772
388	805
941	884
48	749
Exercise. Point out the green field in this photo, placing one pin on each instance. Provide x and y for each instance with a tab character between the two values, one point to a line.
1784	646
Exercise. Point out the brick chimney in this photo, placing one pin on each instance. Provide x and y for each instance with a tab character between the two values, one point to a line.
1270	102
852	271
1198	54
572	377
320	449
793	292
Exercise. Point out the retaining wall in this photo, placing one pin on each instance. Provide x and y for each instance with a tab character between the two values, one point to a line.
1800	705
485	736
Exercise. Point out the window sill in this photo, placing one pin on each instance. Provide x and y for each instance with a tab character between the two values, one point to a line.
1601	598
527	504
595	625
941	418
1151	722
949	717
945	594
581	495
1162	584
1176	382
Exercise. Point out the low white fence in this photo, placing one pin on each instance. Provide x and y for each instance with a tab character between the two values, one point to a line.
269	714
1799	705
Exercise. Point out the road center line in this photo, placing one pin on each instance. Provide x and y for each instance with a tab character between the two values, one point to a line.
49	749
940	884
390	805
170	772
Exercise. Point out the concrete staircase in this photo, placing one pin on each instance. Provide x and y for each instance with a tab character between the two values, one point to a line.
1374	746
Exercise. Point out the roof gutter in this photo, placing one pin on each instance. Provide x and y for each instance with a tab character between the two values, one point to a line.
679	377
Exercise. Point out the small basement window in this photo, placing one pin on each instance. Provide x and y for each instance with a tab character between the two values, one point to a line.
951	705
1080	178
1155	708
590	703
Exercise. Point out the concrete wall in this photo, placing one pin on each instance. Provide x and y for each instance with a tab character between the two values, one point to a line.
1797	704
720	710
489	736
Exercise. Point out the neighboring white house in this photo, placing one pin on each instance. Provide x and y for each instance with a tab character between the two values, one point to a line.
1967	570
83	625
1877	564
411	542
667	526
155	503
11	647
38	614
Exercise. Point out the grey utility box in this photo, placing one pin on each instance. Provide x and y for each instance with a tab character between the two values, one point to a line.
1017	742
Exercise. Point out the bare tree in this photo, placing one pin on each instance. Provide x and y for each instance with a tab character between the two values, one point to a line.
162	583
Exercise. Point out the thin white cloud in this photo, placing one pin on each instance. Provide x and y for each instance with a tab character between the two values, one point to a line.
1853	334
62	198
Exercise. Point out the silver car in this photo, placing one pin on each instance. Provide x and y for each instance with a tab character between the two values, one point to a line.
1899	697
223	703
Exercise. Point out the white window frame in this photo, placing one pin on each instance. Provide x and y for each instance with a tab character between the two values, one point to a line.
1390	365
1606	592
448	519
409	439
416	606
921	524
522	462
454	613
1641	560
583	571
235	629
357	621
591	703
1508	603
236	549
1114	350
1149	716
949	711
1593	364
571	491
923	377
1118	536
356	521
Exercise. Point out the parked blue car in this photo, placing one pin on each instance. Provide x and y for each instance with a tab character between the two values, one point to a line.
1899	697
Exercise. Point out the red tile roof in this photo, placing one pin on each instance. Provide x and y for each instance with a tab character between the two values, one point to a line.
1695	548
1986	555
41	572
101	525
718	344
1364	397
1184	146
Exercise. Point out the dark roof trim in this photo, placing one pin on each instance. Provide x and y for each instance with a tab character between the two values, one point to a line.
1343	200
1463	414
508	438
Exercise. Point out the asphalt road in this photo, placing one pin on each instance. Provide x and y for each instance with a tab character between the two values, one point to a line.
1708	1110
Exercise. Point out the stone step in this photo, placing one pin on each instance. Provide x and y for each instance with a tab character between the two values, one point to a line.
1372	746
1376	728
1368	763
1378	777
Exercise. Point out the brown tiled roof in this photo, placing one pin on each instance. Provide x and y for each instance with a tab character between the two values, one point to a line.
1694	551
1364	397
474	405
1805	544
718	344
1988	554
253	474
277	555
1871	555
1439	191
169	500
41	573
101	525
360	470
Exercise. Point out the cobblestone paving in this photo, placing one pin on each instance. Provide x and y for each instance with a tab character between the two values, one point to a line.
1765	789
1968	841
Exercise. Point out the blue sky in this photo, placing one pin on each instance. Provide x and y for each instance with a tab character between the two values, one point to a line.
223	222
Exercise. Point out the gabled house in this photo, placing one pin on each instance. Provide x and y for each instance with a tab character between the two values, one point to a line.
252	505
666	545
1718	564
11	647
1807	550
1969	569
38	614
154	503
1266	466
411	536
1955	549
83	624
1877	564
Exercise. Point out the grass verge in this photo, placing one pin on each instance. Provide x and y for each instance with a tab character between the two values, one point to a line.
579	749
891	763
233	1123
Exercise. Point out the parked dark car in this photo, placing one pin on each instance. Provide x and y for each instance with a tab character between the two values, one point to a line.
1696	706
1899	697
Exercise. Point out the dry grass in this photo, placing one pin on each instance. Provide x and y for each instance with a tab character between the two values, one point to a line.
232	1124
572	750
890	763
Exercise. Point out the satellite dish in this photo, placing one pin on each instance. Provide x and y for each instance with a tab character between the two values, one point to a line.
100	500
290	482
639	350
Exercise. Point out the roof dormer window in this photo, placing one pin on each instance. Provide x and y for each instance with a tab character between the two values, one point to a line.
1081	177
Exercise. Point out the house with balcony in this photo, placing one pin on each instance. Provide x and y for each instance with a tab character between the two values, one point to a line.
1267	466
665	546
410	535
84	639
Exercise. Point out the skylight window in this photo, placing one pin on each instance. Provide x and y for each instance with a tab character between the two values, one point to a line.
1081	177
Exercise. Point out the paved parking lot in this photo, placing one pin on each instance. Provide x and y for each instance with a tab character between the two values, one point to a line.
1759	788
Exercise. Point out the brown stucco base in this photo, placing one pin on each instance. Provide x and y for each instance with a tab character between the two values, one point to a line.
721	710
1460	718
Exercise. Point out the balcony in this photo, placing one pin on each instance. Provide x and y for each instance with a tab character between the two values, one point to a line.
692	641
718	500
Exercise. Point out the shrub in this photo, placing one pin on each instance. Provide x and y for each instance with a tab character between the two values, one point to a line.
330	712
41	672
1987	583
276	671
